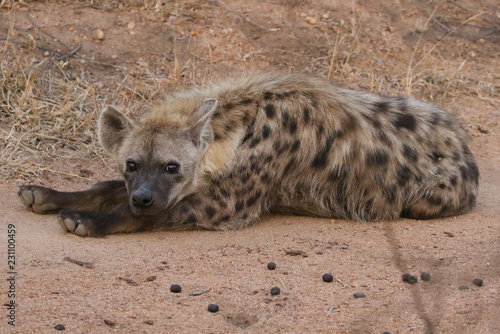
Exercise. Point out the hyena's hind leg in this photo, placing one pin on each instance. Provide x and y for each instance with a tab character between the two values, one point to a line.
102	197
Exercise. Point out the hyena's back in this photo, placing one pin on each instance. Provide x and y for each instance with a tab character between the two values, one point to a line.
299	144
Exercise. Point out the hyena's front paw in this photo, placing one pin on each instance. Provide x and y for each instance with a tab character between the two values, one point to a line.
75	222
37	199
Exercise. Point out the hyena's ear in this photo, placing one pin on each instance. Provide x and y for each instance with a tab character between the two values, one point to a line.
199	124
113	128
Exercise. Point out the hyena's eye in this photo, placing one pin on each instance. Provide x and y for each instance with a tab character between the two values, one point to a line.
131	166
172	168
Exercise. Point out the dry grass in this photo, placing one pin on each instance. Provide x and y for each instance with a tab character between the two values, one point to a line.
47	112
47	109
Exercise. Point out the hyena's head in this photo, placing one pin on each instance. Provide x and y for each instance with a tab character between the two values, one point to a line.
158	160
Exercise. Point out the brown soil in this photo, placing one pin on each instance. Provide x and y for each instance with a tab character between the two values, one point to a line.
151	47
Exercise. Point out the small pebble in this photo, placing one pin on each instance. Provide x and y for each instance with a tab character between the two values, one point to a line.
478	281
425	277
213	308
131	25
271	266
409	278
463	287
359	295
275	291
175	288
60	327
327	277
311	20
100	34
110	322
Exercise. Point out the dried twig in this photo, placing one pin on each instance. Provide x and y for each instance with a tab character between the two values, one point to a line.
80	263
199	293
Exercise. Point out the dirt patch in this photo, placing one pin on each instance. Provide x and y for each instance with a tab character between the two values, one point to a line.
61	62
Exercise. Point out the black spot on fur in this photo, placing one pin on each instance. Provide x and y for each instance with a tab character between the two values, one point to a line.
293	126
247	137
295	146
254	142
472	171
289	166
239	206
434	200
245	177
250	188
225	218
321	158
266	131
436	156
319	131
264	178
442	186
268	95
229	106
406	121
377	157
224	192
336	174
456	156
254	166
464	172
270	111
252	200
210	211
191	219
184	209
403	175
381	107
307	115
453	180
246	102
410	153
284	119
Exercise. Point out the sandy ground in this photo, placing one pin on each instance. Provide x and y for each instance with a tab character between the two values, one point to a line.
127	286
363	257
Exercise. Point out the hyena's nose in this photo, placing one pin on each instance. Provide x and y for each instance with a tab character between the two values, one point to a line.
142	198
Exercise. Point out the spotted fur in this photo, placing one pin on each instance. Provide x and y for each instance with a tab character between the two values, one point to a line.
295	143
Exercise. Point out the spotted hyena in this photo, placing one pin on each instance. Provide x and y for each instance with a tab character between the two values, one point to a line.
219	158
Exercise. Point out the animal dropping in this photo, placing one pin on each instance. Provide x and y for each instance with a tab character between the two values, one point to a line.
221	157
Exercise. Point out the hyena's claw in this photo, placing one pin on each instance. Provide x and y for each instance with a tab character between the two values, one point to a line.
36	198
70	221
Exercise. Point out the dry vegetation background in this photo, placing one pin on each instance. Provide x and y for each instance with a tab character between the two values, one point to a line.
62	61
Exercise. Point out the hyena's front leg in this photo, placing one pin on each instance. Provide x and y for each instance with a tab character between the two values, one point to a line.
92	224
102	197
